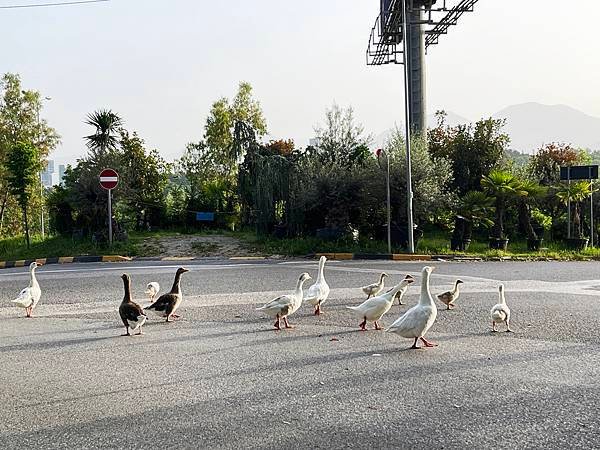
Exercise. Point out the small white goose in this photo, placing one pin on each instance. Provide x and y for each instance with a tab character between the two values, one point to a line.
374	308
400	294
30	296
317	294
152	290
375	288
286	305
501	312
415	322
448	298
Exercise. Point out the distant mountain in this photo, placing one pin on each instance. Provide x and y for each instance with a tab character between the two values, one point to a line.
530	125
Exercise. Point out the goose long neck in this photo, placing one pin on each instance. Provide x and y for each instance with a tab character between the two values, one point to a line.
502	298
321	267
456	288
127	286
426	298
299	285
175	288
33	280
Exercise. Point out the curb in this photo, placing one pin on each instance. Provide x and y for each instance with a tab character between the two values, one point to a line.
375	256
64	260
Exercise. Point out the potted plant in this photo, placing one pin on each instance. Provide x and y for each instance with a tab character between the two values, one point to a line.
503	187
531	191
473	209
541	224
576	192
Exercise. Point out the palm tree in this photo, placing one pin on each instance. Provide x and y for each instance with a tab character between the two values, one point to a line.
533	192
108	125
475	208
577	193
502	186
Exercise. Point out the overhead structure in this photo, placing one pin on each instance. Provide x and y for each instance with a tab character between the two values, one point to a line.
402	33
427	21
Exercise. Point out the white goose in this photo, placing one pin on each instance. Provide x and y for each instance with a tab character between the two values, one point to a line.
374	308
282	307
501	312
415	322
152	290
30	296
375	288
318	292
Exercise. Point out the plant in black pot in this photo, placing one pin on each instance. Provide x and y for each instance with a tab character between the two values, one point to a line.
474	209
503	187
576	193
532	192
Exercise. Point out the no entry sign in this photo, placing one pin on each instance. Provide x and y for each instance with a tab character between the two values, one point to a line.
109	179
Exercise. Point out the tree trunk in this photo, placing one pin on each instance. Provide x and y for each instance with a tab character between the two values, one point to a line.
3	210
498	229
26	226
525	220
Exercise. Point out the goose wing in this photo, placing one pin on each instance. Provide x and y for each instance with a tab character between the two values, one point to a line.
25	298
164	301
414	322
371	307
280	304
131	311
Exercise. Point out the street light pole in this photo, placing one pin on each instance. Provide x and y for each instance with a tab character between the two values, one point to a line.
409	193
43	225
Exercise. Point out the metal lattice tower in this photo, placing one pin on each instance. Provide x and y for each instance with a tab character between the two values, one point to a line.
427	21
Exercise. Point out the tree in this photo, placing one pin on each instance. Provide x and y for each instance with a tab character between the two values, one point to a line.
545	164
108	126
221	123
502	186
474	208
341	140
145	176
474	150
23	165
532	192
20	122
576	192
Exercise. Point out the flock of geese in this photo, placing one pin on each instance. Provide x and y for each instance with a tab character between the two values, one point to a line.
414	323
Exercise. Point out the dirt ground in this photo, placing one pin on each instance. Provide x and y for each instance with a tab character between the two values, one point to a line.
189	245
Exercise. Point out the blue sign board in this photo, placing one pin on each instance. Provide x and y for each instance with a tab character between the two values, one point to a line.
205	216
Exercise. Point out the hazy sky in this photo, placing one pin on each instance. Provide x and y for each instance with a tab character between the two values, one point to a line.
161	63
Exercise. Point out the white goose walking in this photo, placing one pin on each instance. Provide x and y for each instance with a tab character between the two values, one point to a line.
374	308
415	322
286	305
501	312
317	294
152	290
30	296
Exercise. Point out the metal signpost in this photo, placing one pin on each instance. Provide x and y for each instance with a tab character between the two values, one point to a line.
109	179
589	173
389	204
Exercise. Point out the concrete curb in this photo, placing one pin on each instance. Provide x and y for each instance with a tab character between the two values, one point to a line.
64	260
375	256
111	258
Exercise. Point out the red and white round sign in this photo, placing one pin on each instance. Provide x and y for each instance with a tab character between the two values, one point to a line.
109	179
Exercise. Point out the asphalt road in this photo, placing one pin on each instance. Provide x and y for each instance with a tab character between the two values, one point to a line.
220	377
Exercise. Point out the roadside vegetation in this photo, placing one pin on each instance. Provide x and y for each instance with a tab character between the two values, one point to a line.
473	194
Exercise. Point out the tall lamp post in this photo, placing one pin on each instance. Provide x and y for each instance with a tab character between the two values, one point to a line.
407	68
43	227
379	153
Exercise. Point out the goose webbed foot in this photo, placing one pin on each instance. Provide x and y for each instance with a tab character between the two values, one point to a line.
377	327
287	325
427	343
363	325
277	323
176	316
126	334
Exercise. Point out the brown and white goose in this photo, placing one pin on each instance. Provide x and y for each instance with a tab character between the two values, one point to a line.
131	313
167	304
375	288
448	298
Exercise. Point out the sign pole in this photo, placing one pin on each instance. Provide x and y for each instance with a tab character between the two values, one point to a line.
569	203
389	207
110	233
591	209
